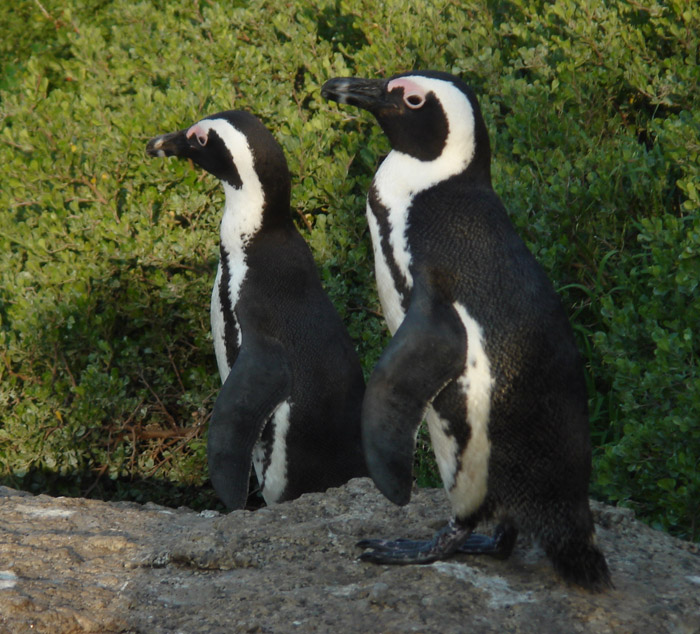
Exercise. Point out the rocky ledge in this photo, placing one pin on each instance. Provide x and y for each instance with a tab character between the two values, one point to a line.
76	565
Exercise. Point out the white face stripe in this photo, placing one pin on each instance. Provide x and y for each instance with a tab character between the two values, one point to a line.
244	206
470	484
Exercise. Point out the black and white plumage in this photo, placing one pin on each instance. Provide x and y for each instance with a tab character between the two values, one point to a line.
292	383
482	347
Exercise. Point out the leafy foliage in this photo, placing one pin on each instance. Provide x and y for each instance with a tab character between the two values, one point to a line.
107	375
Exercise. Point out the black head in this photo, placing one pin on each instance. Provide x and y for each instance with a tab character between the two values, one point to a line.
235	147
425	114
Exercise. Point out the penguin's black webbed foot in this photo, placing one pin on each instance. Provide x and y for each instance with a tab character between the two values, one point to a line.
500	546
443	545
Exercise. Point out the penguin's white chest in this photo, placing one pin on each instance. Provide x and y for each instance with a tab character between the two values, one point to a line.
242	219
389	295
464	469
388	226
227	287
397	182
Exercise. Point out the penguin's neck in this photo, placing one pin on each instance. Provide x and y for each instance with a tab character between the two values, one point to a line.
243	215
401	176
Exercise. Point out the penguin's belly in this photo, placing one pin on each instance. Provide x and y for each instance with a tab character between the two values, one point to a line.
464	469
225	329
270	458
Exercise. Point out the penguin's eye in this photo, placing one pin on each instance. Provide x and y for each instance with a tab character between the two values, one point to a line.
197	136
413	100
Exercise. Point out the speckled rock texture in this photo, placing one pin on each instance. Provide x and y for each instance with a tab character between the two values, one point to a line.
76	565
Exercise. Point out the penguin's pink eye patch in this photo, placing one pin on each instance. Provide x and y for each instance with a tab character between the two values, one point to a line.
414	95
199	133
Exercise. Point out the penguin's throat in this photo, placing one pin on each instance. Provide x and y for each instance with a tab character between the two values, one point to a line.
242	217
402	176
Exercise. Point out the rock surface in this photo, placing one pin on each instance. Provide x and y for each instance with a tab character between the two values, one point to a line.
76	565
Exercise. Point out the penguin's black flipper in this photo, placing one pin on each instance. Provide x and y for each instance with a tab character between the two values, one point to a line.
427	352
258	382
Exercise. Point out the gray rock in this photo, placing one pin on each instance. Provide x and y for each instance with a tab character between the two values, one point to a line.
75	565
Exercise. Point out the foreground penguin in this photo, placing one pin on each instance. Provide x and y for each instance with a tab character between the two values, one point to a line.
482	347
292	383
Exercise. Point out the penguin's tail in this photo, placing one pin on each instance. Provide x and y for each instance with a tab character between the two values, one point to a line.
581	562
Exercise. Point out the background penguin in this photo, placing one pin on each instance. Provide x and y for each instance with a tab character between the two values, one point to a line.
292	383
482	346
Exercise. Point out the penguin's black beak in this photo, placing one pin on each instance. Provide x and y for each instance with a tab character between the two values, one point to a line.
171	144
369	94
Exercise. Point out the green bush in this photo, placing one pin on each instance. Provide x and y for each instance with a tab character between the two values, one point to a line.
107	375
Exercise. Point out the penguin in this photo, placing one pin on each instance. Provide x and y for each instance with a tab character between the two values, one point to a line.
481	347
292	386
